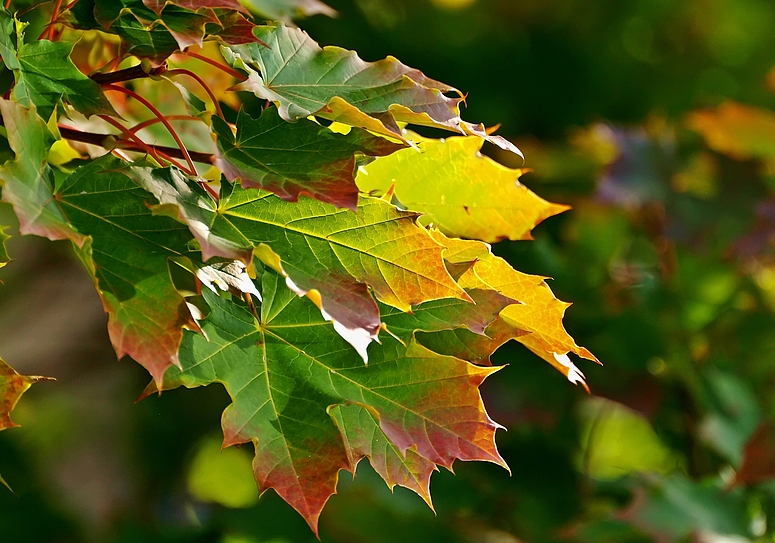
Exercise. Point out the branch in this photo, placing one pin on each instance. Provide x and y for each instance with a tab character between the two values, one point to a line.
107	141
140	71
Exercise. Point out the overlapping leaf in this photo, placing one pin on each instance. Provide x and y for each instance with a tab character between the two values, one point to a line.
540	313
463	192
28	181
333	255
291	159
154	29
45	75
303	79
288	372
128	256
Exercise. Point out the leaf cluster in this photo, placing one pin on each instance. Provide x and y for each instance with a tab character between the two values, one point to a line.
286	236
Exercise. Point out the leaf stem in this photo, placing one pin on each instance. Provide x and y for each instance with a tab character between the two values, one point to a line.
133	145
232	72
161	117
127	74
145	124
205	86
140	143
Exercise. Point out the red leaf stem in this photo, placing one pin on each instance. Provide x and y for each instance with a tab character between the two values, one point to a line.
234	73
205	86
152	108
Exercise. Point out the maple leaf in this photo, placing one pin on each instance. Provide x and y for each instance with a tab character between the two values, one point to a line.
45	74
127	253
303	79
539	312
446	180
28	181
332	255
296	382
291	159
12	386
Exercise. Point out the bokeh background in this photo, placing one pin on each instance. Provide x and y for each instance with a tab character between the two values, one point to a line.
655	119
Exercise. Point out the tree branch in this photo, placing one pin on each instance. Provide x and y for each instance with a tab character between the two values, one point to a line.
105	140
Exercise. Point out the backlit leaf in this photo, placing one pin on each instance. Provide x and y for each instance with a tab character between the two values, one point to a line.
12	386
285	374
291	159
539	312
46	75
28	181
303	79
332	255
463	192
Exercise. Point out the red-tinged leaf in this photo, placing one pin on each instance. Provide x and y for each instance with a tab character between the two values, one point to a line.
286	374
28	181
12	386
758	457
303	79
331	255
234	29
128	257
193	5
293	159
363	438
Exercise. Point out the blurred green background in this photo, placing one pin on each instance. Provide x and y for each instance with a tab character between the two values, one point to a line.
655	119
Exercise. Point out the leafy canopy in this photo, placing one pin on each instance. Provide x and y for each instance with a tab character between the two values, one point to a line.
332	277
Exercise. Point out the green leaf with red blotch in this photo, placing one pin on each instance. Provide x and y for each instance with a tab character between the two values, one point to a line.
288	370
363	438
461	191
193	5
331	255
303	79
28	181
127	254
291	159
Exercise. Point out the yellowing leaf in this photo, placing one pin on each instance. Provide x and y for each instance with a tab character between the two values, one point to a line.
539	312
463	192
737	130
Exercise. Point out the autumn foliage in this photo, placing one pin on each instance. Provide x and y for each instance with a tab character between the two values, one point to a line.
256	211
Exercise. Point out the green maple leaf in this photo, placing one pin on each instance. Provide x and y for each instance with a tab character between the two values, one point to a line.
7	40
46	75
291	159
332	255
128	255
28	181
303	79
290	373
463	192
